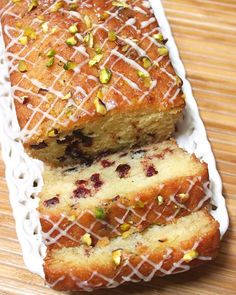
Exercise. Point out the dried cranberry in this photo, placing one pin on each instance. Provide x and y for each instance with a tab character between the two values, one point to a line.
151	171
81	192
79	182
95	178
39	146
106	163
123	170
52	202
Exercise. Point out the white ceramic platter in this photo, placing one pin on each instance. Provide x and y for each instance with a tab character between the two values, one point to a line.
24	175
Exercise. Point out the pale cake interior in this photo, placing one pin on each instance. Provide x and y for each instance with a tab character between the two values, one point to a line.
169	162
153	239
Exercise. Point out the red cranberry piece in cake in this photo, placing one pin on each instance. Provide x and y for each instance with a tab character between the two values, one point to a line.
51	202
95	178
151	171
106	163
123	170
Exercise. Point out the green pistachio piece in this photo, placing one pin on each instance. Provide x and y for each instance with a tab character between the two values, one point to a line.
112	36
159	37
73	6
105	76
50	62
51	53
100	213
70	65
72	41
147	63
57	6
30	33
96	59
73	29
163	51
120	4
88	21
89	40
23	40
22	66
142	74
33	4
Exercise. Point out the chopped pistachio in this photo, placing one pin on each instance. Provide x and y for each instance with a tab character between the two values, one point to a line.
51	53
87	21
147	63
142	74
73	6
30	32
86	239
112	36
125	227
72	218
73	29
96	59
139	204
160	200
41	17
100	106
45	27
116	256
120	4
159	37
70	65
100	213
105	76
190	255
50	62
125	48
68	113
22	66
163	51
72	41
54	29
89	40
183	197
67	96
178	81
98	50
57	6
33	4
104	16
23	40
52	133
126	234
16	1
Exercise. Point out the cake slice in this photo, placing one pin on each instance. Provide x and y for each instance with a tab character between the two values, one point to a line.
89	77
158	251
121	193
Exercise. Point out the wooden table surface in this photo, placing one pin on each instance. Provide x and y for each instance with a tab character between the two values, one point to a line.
205	31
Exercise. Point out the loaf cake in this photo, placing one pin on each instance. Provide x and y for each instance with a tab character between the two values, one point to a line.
158	251
121	193
89	77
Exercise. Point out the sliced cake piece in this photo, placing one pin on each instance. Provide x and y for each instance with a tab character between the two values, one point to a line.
158	251
89	77
121	193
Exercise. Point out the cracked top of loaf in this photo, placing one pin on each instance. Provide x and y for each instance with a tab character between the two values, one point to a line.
73	61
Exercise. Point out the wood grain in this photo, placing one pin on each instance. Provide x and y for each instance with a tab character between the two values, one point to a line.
205	32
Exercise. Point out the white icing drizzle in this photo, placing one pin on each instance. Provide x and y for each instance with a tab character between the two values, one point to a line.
128	211
134	273
61	119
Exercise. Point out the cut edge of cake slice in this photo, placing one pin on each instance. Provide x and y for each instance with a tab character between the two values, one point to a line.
122	193
158	251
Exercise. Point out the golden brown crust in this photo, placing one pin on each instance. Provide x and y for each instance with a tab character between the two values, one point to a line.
139	212
39	92
160	262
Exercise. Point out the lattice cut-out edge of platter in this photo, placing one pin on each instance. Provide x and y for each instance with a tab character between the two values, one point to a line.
24	174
